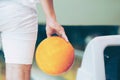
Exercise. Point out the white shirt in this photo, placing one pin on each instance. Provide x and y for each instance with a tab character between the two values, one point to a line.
28	3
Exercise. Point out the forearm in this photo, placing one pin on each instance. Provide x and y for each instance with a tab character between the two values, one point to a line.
48	9
52	26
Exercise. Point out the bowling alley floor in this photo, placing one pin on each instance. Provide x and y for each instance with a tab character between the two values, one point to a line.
37	74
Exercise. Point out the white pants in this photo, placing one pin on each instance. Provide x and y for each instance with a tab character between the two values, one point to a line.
18	28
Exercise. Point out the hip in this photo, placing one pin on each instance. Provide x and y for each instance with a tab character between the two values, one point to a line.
13	14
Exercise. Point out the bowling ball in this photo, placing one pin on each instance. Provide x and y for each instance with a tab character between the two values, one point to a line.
54	55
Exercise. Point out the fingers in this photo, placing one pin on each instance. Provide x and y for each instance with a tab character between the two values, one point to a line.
64	37
56	29
62	34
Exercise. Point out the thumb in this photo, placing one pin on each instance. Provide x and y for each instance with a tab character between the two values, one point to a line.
48	32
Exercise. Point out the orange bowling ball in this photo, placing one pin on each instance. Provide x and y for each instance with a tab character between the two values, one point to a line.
54	55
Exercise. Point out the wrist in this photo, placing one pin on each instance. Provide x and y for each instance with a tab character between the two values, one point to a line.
51	20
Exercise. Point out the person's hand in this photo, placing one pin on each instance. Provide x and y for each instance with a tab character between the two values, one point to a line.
53	27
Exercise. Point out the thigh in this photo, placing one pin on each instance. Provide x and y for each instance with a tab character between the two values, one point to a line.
19	35
19	48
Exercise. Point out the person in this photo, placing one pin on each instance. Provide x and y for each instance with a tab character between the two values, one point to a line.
18	27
